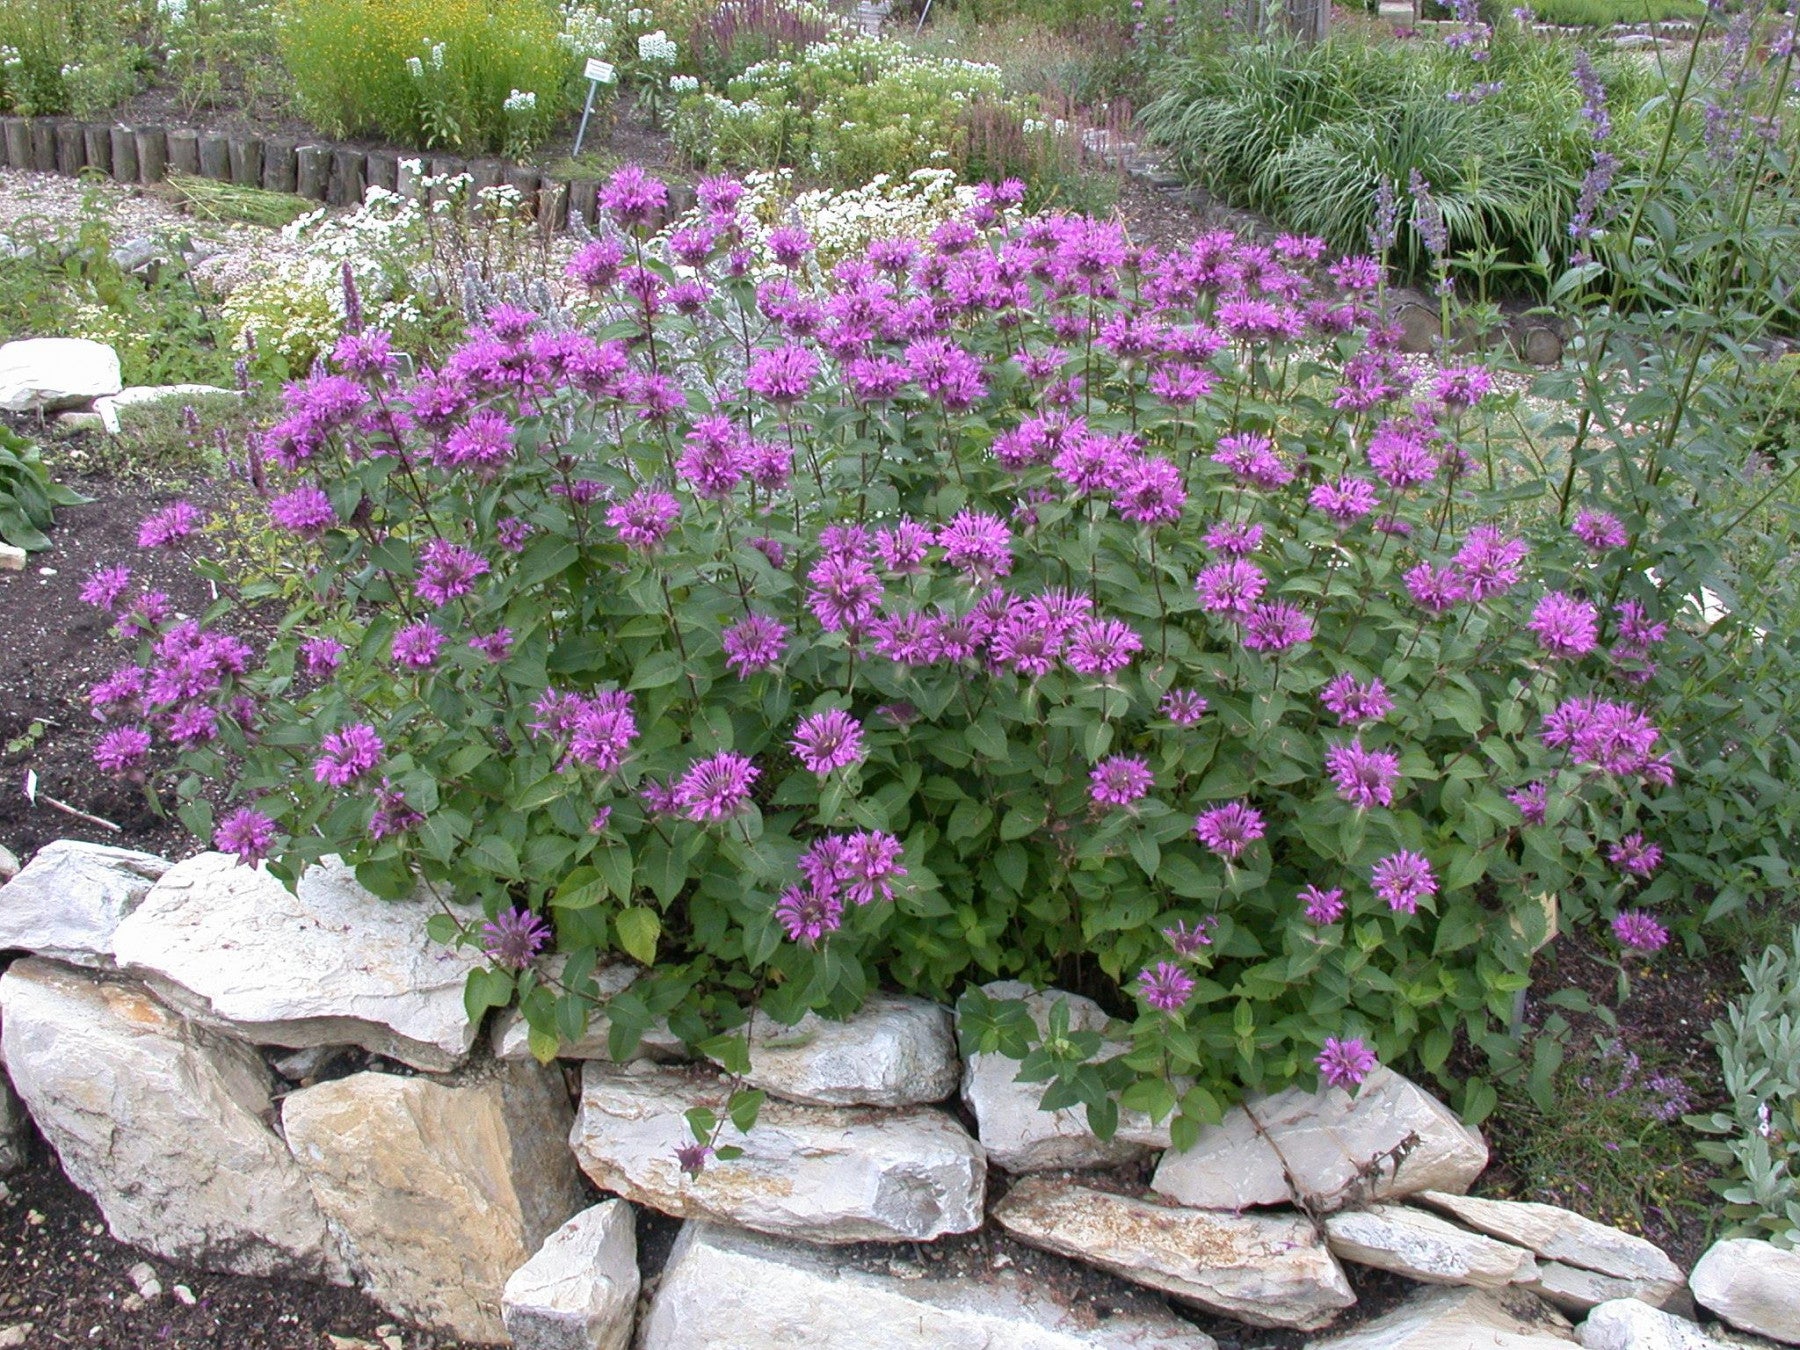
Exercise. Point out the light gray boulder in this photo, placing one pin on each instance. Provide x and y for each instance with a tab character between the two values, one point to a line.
1423	1247
821	1173
1270	1270
893	1051
47	374
1565	1237
1338	1147
1753	1285
1575	1289
580	1291
725	1289
67	902
326	964
1459	1319
439	1191
165	1125
1627	1324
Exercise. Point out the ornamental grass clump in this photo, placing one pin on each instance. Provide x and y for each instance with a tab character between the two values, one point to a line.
1016	603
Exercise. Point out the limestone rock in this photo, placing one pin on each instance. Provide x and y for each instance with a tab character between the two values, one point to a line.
822	1173
45	374
580	1291
895	1051
141	395
1627	1324
1265	1269
1753	1285
9	865
1424	1247
1327	1140
12	559
512	1037
1562	1235
68	900
1020	1135
1459	1319
438	1191
1575	1289
164	1125
724	1289
13	1128
330	964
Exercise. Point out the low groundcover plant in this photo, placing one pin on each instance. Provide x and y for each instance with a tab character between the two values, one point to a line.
1018	603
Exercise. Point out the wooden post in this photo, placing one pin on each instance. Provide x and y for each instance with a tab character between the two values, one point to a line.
215	157
96	146
278	166
124	155
71	149
553	207
246	156
18	142
152	154
43	145
348	177
383	168
312	171
408	172
184	152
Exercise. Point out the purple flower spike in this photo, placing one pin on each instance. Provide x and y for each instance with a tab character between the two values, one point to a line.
1322	906
1166	986
170	525
1188	938
807	915
1403	879
1345	1063
1119	780
1229	829
1364	778
716	788
513	938
1637	930
247	833
345	756
829	741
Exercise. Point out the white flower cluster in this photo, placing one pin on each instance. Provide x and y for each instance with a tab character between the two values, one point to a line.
657	47
684	84
520	101
587	32
175	11
10	58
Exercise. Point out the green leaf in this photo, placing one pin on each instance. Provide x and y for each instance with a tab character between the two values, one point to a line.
744	1107
484	989
494	854
639	927
541	793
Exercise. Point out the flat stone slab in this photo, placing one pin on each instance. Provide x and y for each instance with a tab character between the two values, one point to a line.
1424	1247
1328	1141
1627	1324
725	1289
328	964
1018	1134
1753	1285
1459	1319
1265	1269
439	1191
819	1173
68	901
1562	1235
1575	1289
46	374
894	1051
165	1125
580	1291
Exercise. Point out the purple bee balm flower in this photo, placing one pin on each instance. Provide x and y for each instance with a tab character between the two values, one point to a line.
1345	1063
597	264
844	593
691	1158
1120	780
644	519
1635	929
829	741
903	548
1233	541
1532	801
602	818
1567	628
485	441
1322	906
1403	879
448	571
305	511
512	534
782	375
393	814
1461	387
977	544
496	646
122	749
1635	855
117	692
1400	457
1166	986
1346	501
1599	531
807	915
1354	704
322	655
513	938
1150	492
1229	829
789	245
754	643
1183	707
1436	590
632	198
169	525
193	726
717	787
869	864
1187	939
1274	627
246	832
347	755
417	646
1231	587
1102	647
106	587
1612	736
602	729
1489	563
1364	778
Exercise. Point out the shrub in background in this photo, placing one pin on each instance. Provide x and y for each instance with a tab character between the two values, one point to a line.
430	75
729	38
1020	605
70	56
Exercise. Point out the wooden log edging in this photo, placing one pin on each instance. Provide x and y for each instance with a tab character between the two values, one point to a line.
321	171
